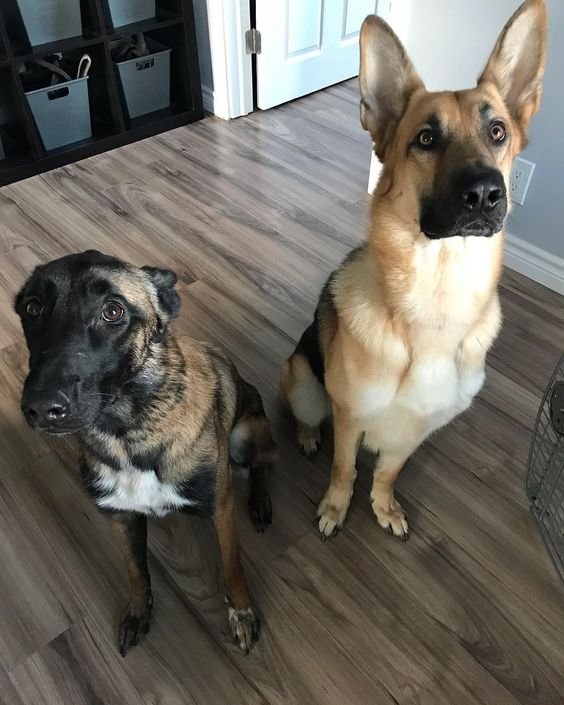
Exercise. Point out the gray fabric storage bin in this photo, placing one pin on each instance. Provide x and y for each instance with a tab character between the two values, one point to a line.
61	112
145	82
129	11
50	20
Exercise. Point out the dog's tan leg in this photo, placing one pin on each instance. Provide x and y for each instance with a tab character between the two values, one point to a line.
131	532
333	508
244	623
388	510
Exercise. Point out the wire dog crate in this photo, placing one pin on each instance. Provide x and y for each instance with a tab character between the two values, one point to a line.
545	475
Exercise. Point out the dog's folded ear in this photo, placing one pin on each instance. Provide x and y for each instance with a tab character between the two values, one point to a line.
387	81
25	287
18	298
516	66
165	281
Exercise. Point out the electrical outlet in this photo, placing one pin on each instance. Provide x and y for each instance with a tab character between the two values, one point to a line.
521	175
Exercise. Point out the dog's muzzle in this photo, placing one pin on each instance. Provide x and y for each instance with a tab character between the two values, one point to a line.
52	409
475	204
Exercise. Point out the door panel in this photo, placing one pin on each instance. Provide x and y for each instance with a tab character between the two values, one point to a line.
306	45
305	24
354	13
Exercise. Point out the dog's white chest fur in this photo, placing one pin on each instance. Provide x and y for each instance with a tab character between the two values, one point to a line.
435	385
429	387
424	391
134	490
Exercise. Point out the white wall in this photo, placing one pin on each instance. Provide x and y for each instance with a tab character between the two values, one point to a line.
449	42
541	220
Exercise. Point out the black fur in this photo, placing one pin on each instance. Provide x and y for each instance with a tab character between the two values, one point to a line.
165	281
74	352
149	459
100	452
136	622
200	488
248	399
473	201
310	346
89	477
310	343
108	369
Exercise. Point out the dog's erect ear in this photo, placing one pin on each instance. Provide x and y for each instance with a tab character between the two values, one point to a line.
165	281
516	66
387	81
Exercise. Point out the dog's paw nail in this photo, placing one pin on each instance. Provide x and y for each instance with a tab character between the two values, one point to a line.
261	513
132	629
245	628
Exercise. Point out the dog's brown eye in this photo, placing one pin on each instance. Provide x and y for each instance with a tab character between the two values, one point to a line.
34	308
112	311
426	139
497	131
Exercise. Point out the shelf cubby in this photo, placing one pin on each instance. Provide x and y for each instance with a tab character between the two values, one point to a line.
172	26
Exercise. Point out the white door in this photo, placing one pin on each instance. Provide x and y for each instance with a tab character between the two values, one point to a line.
306	45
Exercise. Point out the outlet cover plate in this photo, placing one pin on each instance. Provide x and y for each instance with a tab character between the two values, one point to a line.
521	174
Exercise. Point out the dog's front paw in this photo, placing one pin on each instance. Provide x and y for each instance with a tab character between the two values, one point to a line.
392	519
260	509
245	627
332	512
134	626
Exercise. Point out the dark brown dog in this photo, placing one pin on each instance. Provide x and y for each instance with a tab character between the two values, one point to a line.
157	424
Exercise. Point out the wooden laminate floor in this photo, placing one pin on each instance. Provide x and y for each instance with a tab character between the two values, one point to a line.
253	215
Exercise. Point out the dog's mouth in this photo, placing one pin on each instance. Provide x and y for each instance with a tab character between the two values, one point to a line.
461	227
59	431
57	415
438	220
471	230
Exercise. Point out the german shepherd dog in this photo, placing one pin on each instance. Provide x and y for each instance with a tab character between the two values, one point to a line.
398	343
157	422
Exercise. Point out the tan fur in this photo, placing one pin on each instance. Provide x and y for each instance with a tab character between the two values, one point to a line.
182	424
139	593
200	427
410	319
204	415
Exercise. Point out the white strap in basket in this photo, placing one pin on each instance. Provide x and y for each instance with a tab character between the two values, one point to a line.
84	66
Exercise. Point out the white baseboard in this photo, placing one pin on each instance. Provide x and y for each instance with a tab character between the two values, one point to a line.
539	265
213	105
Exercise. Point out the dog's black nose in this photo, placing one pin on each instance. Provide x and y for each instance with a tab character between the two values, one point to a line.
47	408
481	189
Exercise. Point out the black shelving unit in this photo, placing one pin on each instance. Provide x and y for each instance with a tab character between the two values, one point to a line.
173	26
